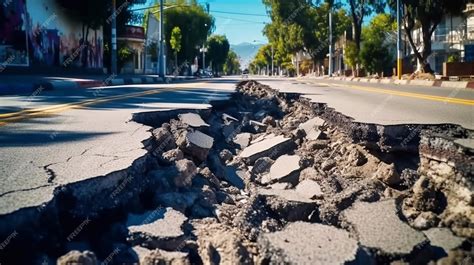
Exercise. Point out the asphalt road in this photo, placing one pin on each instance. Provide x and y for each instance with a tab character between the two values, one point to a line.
386	104
88	132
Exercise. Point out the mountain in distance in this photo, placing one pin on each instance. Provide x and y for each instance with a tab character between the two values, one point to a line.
246	52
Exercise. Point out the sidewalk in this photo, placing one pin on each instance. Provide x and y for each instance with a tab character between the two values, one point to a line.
20	84
414	82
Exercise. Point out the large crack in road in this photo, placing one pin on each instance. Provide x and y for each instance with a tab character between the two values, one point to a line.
265	178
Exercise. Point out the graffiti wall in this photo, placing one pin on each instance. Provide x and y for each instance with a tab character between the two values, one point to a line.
49	38
13	40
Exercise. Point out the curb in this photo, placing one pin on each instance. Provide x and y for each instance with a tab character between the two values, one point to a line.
429	83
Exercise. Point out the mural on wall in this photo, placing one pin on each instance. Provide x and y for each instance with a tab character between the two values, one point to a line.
13	39
53	39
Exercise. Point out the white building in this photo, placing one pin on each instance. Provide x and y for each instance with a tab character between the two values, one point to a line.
454	35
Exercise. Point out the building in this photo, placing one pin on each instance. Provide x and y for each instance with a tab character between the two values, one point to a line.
454	36
36	34
134	39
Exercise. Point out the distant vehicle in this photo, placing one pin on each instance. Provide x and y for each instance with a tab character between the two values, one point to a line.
204	74
245	73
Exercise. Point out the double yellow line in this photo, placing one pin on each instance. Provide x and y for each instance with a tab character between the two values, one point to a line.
45	111
453	100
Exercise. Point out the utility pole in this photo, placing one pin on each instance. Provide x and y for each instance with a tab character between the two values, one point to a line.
162	65
399	41
331	66
273	65
113	52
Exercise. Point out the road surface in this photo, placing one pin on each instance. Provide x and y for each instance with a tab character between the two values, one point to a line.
88	132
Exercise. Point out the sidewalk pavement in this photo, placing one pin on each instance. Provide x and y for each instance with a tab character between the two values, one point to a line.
414	82
20	84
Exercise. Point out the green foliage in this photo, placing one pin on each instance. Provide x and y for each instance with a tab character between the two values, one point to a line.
454	58
427	14
218	49
232	64
375	52
195	24
375	56
176	42
301	25
351	53
359	9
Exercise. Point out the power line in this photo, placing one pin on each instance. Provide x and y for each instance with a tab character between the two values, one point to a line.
238	13
244	20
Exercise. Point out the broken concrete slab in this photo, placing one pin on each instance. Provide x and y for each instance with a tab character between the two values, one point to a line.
159	256
77	257
180	201
443	238
270	147
311	128
186	170
229	173
220	244
307	243
262	165
284	169
309	189
378	227
242	139
289	204
161	228
387	174
193	120
164	141
195	144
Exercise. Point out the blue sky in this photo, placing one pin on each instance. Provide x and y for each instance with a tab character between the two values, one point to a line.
238	28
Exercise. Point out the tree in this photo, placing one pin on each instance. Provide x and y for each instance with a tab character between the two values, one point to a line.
302	26
195	24
427	14
359	9
218	49
232	64
351	53
375	53
176	43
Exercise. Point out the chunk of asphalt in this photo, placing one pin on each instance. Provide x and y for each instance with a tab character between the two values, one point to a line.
196	144
311	128
159	256
193	120
271	147
229	173
242	139
161	228
309	189
308	243
378	227
443	238
288	204
283	170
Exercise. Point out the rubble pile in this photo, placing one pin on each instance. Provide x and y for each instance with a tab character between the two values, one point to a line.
266	179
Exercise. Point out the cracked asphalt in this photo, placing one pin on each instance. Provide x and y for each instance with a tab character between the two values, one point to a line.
39	155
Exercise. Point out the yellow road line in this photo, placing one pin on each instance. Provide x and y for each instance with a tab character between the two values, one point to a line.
44	111
408	94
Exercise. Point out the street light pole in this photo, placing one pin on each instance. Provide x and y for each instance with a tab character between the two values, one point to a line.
331	66
162	66
273	65
399	42
113	51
